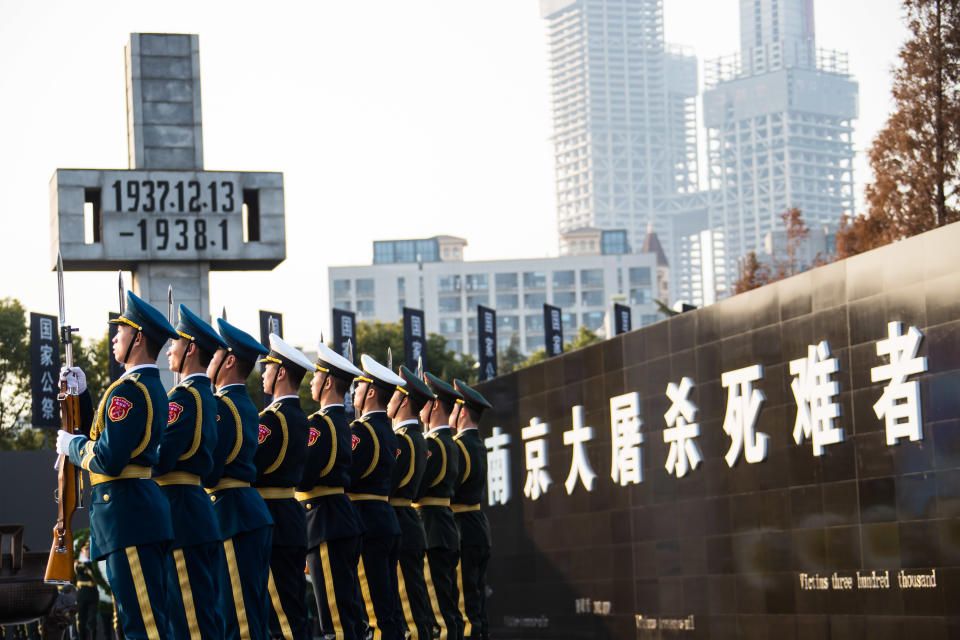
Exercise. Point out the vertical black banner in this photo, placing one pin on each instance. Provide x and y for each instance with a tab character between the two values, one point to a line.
487	342
270	322
621	319
414	338
116	369
345	333
552	330
44	370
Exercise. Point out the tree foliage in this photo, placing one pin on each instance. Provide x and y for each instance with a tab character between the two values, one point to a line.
14	365
784	262
916	156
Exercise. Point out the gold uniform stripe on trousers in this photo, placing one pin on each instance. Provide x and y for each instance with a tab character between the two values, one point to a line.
186	594
278	608
237	587
331	594
434	603
468	628
368	601
143	598
405	601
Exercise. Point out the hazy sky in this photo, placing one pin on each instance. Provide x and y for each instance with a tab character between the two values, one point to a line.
388	119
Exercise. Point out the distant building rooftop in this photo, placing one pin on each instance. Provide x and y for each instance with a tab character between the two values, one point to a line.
436	249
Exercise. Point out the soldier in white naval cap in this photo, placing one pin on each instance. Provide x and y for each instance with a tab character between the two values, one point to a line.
280	458
374	448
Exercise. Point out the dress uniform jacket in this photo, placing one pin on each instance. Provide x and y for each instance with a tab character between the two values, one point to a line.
334	528
407	476
374	446
439	482
443	539
474	531
186	455
280	459
129	515
245	523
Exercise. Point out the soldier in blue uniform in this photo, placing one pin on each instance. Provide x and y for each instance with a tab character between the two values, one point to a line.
439	483
374	448
129	516
471	521
280	459
404	408
334	528
186	455
245	522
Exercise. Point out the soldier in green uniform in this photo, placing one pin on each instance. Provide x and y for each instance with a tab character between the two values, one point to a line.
334	527
245	522
129	516
374	448
186	455
439	483
471	521
280	459
88	596
404	408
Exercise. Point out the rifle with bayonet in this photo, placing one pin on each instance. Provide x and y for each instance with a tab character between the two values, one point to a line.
60	562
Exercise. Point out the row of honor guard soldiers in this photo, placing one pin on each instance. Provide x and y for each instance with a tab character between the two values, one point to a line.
207	513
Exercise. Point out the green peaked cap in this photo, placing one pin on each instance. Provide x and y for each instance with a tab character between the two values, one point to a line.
441	388
471	397
415	384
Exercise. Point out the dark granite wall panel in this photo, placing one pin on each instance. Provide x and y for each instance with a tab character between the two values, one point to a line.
770	549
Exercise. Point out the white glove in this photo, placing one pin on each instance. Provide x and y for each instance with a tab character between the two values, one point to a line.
63	441
74	376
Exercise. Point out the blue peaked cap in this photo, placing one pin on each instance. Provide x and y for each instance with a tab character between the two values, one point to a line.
144	317
240	343
196	330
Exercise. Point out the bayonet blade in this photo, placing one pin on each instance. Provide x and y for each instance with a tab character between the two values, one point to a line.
389	359
63	310
170	303
350	351
123	292
420	367
223	313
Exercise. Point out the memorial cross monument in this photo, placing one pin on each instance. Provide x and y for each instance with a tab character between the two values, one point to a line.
165	218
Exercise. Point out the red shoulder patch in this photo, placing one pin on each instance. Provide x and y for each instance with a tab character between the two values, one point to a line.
312	436
354	441
398	453
264	434
175	411
429	453
119	408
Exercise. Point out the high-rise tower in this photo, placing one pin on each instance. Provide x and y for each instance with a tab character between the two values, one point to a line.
624	115
779	125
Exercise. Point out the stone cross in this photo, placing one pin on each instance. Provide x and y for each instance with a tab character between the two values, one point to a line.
165	218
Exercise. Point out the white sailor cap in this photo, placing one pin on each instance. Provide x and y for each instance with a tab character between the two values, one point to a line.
334	363
376	373
283	354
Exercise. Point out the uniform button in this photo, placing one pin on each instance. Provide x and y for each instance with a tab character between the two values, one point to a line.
106	497
309	506
213	498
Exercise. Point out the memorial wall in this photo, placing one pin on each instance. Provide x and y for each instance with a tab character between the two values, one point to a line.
784	463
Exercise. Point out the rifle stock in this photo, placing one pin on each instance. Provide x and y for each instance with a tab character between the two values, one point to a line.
60	562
